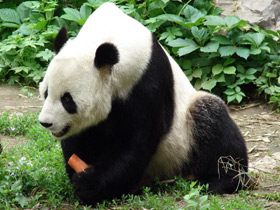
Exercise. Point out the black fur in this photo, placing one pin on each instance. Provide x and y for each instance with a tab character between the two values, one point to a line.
46	125
106	54
46	94
68	103
120	148
216	137
60	39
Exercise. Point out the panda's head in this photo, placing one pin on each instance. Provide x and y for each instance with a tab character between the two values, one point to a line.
69	102
103	62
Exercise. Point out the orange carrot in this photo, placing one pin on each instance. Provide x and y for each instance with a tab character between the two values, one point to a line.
77	164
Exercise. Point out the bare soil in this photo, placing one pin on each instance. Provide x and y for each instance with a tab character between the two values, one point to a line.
259	124
14	100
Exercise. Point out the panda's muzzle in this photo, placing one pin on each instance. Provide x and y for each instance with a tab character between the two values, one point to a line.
62	132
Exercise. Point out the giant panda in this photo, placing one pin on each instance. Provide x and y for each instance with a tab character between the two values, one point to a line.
114	97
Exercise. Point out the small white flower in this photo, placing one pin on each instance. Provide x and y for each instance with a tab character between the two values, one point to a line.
10	163
22	158
13	128
30	164
12	174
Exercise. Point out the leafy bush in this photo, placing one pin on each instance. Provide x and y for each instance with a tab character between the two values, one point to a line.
225	56
26	51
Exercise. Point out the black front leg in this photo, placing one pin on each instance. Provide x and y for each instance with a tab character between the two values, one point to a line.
110	178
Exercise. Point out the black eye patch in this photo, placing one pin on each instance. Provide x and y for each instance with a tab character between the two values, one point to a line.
68	103
46	94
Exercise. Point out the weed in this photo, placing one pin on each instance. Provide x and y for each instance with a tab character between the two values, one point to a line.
32	175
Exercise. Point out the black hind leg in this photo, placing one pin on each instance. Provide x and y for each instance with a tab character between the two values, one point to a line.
218	154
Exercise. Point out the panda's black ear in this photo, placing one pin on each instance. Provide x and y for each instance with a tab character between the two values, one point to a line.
60	39
106	54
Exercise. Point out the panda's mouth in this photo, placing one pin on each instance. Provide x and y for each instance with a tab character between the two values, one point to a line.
62	132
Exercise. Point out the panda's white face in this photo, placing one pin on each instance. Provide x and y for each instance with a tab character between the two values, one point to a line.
103	62
70	106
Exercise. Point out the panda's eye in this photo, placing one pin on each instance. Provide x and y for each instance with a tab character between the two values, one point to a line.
68	103
66	98
46	94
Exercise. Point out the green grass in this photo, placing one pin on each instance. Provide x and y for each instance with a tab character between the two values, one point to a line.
33	175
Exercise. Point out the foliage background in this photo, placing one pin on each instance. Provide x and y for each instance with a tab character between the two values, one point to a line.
225	56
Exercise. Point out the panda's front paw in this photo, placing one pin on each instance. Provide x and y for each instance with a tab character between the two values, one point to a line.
83	184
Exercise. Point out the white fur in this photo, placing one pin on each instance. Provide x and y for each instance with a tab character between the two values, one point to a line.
173	149
72	69
75	62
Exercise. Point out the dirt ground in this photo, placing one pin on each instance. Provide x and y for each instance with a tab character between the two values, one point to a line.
259	124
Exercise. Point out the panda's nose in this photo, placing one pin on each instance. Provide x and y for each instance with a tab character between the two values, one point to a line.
46	125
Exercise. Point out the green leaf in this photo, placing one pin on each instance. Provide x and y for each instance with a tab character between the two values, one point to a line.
71	14
24	29
199	34
41	25
187	64
217	69
250	77
9	16
187	50
279	80
238	98
173	18
81	21
10	25
255	51
202	199
181	42
221	39
85	11
45	55
187	46
156	7
210	47
240	69
237	89
230	98
170	34
19	69
255	38
229	92
251	71
227	51
271	33
220	77
23	11
243	52
236	35
21	200
214	55
229	70
192	203
229	61
17	185
212	20
197	73
231	21
209	84
153	26
205	206
265	48
192	14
